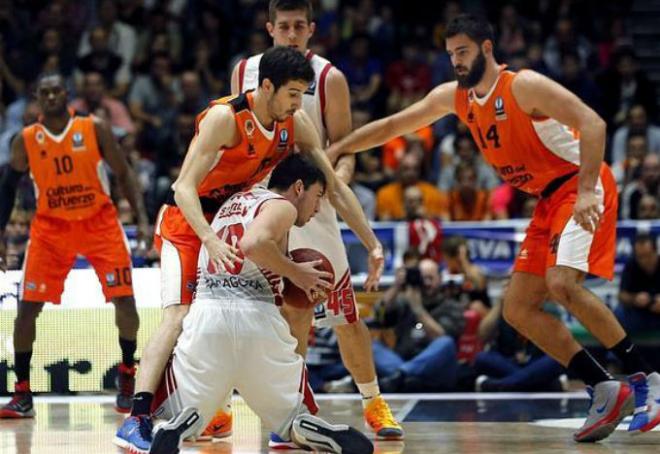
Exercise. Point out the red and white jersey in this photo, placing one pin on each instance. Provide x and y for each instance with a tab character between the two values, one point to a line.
314	98
246	281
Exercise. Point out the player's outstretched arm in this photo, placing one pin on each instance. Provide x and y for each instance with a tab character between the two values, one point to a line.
341	197
125	175
435	105
260	244
338	121
18	166
538	95
216	130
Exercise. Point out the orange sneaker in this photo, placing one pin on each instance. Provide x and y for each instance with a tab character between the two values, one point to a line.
219	427
381	420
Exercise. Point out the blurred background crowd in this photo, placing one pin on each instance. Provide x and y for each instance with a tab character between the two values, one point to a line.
150	66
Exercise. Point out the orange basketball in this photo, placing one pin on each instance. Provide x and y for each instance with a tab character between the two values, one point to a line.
293	294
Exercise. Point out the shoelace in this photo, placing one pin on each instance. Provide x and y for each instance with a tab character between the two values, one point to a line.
145	425
383	413
15	400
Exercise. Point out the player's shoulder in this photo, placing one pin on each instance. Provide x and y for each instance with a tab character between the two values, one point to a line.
276	206
526	78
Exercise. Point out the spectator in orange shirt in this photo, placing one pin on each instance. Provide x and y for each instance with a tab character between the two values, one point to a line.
395	149
466	202
390	200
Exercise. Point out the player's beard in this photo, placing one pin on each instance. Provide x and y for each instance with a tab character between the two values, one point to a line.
475	74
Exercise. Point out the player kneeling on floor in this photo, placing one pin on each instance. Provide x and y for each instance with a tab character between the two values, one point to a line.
234	336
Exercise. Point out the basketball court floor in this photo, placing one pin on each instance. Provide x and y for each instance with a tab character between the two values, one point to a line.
434	423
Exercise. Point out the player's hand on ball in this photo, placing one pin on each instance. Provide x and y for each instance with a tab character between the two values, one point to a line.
586	211
376	263
314	282
223	255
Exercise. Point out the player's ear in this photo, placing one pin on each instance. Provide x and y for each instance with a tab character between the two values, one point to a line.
270	28
267	86
487	47
312	28
299	187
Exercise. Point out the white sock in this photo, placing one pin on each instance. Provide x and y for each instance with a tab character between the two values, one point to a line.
368	391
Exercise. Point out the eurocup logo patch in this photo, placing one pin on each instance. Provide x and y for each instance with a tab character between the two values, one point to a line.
284	139
500	114
77	141
110	279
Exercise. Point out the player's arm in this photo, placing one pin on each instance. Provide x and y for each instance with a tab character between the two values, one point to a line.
216	130
436	104
338	120
125	175
341	196
538	95
260	243
18	166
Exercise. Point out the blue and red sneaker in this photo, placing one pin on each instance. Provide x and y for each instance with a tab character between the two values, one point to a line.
647	402
134	434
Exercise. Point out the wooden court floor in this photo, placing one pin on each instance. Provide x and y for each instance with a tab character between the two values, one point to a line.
438	423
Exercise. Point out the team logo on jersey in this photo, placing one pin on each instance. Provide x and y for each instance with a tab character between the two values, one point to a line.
500	114
284	139
77	140
470	116
40	137
249	128
43	154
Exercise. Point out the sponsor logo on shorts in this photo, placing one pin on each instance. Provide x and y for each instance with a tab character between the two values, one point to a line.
524	254
190	285
30	285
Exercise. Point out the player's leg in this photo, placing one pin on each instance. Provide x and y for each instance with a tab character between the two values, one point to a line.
577	252
178	277
193	379
284	400
105	246
300	322
45	268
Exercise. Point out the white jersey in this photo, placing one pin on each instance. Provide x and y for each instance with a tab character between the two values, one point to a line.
322	231
246	281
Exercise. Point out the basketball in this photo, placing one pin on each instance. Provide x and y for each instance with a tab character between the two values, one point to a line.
293	294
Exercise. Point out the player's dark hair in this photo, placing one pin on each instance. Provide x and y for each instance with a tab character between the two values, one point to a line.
281	65
289	5
293	168
477	28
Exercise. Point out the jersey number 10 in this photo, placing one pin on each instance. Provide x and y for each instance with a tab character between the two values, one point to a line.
63	165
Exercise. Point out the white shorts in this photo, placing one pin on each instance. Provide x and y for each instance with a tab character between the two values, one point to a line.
322	233
241	345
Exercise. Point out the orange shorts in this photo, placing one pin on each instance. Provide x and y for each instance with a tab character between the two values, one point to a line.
553	238
55	243
179	247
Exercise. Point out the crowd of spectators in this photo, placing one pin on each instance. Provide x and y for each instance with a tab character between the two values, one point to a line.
149	66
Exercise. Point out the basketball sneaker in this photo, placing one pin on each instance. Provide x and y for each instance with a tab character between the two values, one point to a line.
168	435
316	434
611	401
277	443
134	435
219	427
20	405
379	417
126	387
647	402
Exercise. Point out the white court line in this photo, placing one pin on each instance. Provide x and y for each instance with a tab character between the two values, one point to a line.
407	408
102	399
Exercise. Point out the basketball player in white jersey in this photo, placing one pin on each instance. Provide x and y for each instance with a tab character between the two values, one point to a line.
327	104
235	317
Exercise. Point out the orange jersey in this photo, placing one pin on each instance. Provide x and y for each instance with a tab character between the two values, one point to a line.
252	159
528	153
67	169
